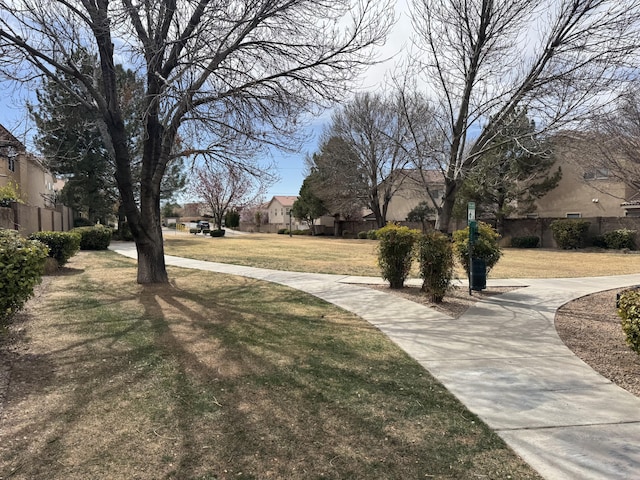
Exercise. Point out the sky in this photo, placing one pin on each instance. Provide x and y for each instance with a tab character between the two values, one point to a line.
290	167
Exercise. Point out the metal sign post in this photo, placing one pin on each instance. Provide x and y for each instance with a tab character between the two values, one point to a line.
471	222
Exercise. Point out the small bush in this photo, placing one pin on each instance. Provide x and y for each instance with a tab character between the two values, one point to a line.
348	234
372	234
195	231
217	233
394	253
629	312
485	248
570	234
94	238
206	231
283	231
62	245
302	232
435	255
529	241
82	222
21	266
362	235
619	239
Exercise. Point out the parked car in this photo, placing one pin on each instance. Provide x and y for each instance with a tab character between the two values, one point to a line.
202	225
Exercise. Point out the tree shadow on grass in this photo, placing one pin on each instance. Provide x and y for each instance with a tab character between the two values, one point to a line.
234	380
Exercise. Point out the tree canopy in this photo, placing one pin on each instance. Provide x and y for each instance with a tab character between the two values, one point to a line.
221	79
480	61
512	174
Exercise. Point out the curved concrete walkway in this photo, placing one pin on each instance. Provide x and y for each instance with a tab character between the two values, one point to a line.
504	360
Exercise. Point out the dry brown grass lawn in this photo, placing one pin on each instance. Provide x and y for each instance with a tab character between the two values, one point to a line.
358	257
220	377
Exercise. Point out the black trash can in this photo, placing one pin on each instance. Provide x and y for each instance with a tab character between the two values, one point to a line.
478	274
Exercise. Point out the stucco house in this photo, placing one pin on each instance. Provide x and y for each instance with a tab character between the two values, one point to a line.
587	188
37	186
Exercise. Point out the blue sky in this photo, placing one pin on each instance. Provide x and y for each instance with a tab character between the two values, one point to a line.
290	167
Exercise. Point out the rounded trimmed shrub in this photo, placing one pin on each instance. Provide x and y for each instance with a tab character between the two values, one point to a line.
21	266
435	255
62	245
486	247
372	234
362	235
94	238
217	233
621	238
629	312
395	253
570	234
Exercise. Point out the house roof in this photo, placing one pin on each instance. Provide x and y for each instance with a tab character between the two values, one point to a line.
285	201
8	140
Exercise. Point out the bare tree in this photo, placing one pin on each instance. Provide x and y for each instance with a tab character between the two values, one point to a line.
614	143
227	77
225	186
561	60
363	156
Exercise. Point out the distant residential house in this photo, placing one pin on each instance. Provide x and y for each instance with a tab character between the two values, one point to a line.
278	208
36	184
413	191
588	188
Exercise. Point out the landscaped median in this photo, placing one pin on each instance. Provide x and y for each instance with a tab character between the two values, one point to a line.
221	377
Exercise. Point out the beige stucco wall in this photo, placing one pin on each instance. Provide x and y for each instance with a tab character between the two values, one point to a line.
589	198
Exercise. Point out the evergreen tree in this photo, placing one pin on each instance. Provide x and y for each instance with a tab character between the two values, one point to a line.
308	206
71	139
512	174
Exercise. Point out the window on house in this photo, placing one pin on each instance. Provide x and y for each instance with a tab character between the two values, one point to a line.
282	211
11	164
574	215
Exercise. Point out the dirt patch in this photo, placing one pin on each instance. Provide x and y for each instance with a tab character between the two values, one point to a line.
455	303
590	327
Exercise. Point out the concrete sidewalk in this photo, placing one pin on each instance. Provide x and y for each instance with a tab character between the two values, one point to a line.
504	360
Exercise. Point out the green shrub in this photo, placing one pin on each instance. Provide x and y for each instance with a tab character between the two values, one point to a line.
302	232
362	235
372	234
629	312
62	245
394	253
435	255
82	222
569	234
485	248
21	266
529	241
232	219
195	231
348	234
217	233
283	231
94	238
206	231
619	239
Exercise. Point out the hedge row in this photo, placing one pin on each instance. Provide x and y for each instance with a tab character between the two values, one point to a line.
21	266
